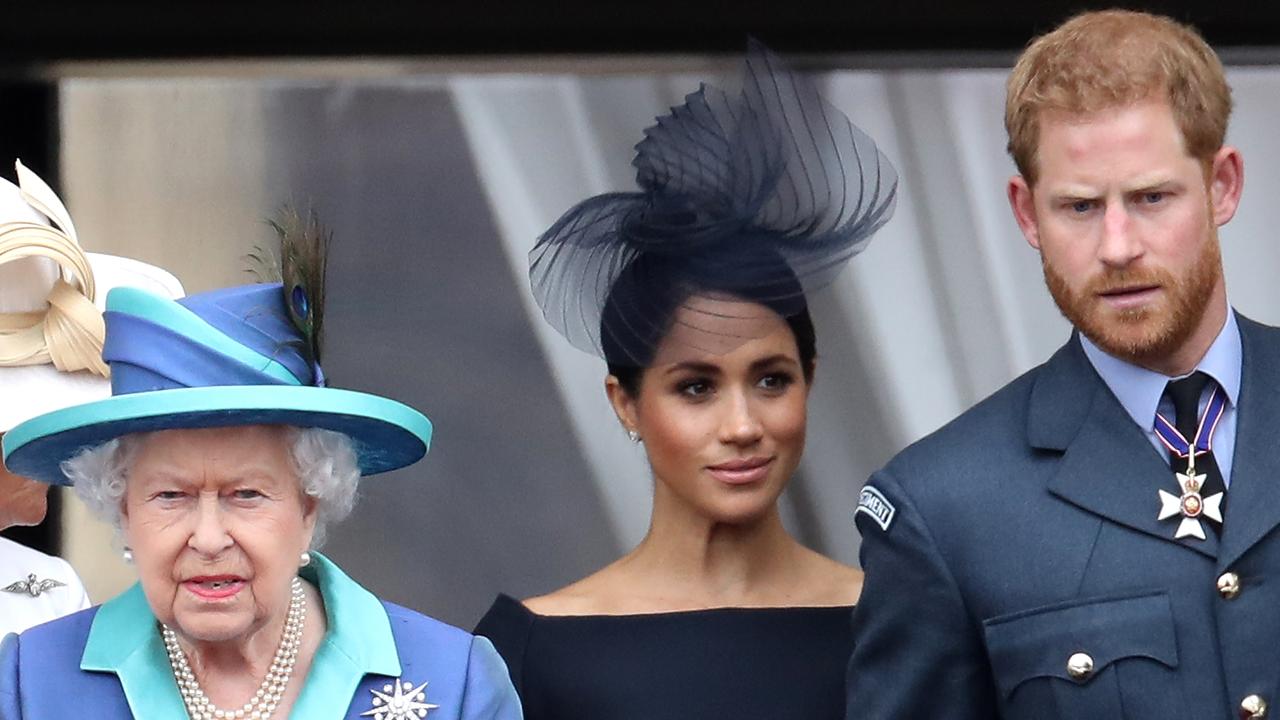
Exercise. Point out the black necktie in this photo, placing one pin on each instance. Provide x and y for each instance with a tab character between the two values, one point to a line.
1185	394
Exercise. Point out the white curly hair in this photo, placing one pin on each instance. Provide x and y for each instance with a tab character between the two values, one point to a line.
325	462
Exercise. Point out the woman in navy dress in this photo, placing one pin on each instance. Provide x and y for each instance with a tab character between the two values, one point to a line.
694	292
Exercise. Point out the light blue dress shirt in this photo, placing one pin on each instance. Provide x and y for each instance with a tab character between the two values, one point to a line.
1140	390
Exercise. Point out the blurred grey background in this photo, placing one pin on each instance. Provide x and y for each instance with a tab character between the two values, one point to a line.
437	180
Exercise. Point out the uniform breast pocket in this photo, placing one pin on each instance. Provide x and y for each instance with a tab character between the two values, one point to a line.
1113	657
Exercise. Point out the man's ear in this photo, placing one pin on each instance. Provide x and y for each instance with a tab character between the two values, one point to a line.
1022	202
1226	183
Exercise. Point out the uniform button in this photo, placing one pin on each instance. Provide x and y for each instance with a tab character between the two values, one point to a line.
1253	707
1080	666
1229	587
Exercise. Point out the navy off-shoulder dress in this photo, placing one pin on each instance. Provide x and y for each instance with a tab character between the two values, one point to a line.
735	663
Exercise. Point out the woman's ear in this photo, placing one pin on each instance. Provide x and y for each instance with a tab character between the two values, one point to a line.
310	513
624	406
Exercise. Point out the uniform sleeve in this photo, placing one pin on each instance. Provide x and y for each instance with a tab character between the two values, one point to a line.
9	700
489	694
917	653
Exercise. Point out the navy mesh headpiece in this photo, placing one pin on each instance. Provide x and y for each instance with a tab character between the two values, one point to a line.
762	195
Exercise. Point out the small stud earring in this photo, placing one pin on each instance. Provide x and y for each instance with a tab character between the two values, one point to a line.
127	555
304	559
633	436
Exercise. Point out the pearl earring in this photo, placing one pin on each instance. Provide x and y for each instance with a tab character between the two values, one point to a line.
127	555
304	559
633	436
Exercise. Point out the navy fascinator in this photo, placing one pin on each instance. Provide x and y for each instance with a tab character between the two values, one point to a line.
761	195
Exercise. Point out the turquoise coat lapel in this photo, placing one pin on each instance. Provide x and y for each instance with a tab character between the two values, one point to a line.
124	639
359	642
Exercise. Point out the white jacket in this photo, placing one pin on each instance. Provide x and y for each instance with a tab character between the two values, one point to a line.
19	608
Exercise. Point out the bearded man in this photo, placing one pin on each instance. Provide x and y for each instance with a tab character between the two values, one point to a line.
1098	538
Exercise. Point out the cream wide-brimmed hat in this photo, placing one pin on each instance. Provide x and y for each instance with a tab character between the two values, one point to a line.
52	296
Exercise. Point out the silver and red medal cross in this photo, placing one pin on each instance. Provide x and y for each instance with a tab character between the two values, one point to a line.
1191	504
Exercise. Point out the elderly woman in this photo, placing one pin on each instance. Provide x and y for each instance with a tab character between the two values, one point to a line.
221	457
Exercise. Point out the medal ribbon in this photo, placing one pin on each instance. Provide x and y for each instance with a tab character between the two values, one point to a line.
1179	445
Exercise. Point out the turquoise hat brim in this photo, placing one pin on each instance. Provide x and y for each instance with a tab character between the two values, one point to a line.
387	434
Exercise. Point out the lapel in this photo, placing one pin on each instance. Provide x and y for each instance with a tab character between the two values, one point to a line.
1253	510
359	641
124	639
1107	466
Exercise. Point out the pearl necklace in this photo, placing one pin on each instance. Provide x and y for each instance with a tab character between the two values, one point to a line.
269	692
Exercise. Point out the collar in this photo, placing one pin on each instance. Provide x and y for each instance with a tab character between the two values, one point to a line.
125	640
1139	389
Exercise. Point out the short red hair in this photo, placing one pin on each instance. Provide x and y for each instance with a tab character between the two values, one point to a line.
1113	58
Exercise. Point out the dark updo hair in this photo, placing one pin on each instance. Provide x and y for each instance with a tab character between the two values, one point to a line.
642	303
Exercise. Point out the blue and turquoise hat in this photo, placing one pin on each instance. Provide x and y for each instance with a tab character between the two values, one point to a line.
221	358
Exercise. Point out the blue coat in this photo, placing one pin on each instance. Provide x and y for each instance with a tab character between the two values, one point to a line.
109	662
1025	532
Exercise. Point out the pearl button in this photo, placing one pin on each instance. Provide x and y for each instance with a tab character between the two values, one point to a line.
1080	666
1229	586
1253	707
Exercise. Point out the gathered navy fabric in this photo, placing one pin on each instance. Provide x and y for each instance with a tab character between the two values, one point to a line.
758	189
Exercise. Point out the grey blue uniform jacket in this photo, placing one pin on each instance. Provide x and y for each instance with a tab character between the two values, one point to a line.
1025	532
